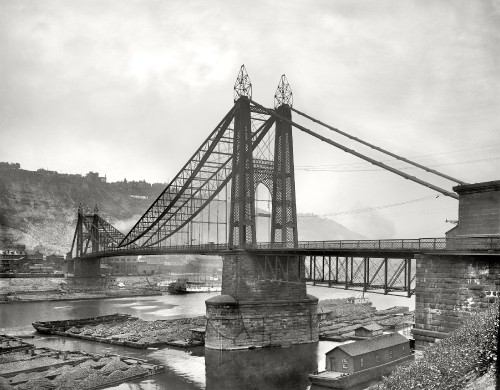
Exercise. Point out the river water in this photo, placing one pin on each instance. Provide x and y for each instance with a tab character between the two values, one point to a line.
270	368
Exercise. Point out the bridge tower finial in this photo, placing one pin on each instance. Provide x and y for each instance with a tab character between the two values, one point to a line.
283	93
243	85
80	208
96	209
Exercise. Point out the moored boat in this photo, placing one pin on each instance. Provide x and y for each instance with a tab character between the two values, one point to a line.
192	287
49	327
184	286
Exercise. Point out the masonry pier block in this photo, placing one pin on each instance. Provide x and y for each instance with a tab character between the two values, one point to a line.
451	286
87	268
263	303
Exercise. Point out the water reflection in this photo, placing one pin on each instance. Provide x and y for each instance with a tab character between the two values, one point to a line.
268	368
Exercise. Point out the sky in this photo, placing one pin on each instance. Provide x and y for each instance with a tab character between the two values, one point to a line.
130	89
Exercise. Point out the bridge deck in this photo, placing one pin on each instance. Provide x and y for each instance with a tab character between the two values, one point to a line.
393	248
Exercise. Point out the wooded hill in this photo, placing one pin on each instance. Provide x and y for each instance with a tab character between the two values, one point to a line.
39	208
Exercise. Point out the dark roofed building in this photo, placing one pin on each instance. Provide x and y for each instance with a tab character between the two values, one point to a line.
370	330
361	355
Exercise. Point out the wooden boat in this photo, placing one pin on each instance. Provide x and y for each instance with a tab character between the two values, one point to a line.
49	327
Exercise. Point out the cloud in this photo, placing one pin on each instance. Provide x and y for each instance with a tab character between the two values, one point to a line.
131	89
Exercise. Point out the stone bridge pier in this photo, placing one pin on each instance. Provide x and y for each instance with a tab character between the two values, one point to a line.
90	268
263	303
452	286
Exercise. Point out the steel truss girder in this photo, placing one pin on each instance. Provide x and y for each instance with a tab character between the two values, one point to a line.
94	232
193	205
207	178
180	185
389	275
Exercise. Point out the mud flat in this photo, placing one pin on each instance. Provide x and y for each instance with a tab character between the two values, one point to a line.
43	368
142	334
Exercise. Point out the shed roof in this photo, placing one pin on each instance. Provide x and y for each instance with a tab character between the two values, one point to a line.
371	327
365	346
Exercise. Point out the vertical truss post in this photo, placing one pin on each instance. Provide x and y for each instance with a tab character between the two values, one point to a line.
408	275
346	273
79	232
284	208
242	220
367	273
352	271
329	271
405	273
386	270
336	269
314	269
323	270
94	231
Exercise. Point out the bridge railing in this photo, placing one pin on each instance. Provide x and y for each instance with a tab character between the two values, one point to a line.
421	245
472	243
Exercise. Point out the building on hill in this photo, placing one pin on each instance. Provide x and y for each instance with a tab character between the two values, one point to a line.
365	354
34	257
12	260
6	165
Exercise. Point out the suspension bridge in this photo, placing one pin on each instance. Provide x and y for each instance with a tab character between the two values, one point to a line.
209	207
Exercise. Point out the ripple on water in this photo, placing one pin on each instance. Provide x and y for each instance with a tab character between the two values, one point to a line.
145	307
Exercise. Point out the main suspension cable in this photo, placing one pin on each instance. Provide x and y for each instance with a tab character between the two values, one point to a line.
357	154
379	149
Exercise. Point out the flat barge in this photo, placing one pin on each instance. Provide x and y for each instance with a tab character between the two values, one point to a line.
56	327
124	330
44	368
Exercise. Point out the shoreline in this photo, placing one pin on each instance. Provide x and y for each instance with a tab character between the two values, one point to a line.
76	296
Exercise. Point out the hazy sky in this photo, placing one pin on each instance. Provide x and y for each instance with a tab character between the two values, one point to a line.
131	88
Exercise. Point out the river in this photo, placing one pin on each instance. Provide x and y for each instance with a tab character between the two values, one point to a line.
270	368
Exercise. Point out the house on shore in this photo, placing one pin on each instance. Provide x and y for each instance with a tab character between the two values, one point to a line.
369	353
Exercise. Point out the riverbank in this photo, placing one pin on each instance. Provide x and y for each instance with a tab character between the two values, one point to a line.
70	288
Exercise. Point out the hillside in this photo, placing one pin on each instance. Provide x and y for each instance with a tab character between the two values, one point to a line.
38	209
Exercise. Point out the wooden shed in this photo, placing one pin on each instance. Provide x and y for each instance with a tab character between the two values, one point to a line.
370	330
369	353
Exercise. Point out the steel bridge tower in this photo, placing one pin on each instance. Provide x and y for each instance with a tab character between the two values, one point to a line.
263	300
